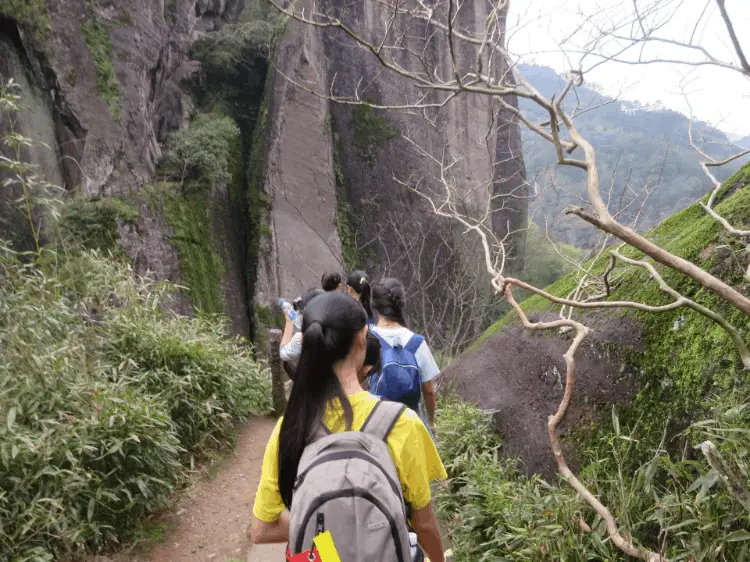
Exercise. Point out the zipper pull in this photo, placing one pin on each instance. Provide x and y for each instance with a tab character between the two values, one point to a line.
319	528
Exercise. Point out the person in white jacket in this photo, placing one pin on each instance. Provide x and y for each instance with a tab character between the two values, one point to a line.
389	302
291	340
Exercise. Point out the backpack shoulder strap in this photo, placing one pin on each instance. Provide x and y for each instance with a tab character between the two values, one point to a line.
319	433
382	418
413	344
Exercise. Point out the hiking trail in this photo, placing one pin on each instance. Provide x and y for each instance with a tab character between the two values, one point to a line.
209	522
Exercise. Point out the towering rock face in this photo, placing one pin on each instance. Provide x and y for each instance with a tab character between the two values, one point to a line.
298	170
354	169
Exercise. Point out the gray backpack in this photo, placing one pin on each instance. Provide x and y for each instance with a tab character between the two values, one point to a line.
347	484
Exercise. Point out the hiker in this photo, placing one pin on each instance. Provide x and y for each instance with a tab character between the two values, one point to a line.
408	368
358	287
291	341
340	463
330	282
372	361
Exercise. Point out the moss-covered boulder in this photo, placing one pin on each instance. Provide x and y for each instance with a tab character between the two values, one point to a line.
657	368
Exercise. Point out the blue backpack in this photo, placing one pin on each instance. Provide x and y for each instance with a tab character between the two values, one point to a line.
399	379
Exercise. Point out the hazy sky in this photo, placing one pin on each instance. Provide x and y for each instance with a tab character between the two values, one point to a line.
537	27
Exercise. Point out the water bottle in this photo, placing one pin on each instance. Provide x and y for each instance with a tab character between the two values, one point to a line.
288	310
293	315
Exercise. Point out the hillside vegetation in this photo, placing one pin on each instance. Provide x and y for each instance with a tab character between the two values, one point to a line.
642	461
641	144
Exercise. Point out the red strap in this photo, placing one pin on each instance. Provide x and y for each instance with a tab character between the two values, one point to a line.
306	556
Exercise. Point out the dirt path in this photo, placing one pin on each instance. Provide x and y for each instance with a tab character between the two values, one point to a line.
209	523
211	519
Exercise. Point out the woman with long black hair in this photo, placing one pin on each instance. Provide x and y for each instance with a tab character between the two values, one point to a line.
389	301
358	286
327	391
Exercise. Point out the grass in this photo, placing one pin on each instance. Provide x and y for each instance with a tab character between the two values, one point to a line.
96	37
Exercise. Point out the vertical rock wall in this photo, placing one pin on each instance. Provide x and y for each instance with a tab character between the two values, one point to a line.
333	172
298	172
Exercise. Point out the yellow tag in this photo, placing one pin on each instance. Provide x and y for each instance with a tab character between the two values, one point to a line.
326	548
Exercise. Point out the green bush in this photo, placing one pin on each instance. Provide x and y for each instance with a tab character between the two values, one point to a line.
104	400
200	156
496	513
223	54
93	222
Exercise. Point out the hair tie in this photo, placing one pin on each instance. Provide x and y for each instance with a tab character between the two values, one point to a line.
362	281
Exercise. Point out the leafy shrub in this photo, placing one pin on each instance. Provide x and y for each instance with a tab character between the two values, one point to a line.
101	398
223	54
199	157
680	506
93	222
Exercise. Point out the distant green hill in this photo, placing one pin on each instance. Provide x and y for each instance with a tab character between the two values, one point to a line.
643	143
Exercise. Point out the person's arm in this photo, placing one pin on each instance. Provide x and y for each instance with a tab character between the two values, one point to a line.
262	532
429	371
430	401
293	349
428	533
288	331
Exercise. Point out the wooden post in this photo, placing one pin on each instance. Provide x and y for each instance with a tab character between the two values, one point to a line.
278	375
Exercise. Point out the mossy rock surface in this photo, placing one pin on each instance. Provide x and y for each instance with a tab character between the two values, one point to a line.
96	37
676	359
189	216
31	14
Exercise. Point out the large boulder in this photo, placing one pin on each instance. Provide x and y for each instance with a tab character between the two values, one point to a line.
657	369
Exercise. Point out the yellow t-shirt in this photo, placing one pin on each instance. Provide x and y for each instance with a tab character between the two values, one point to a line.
412	449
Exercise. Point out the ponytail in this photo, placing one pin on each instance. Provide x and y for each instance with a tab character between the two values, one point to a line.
389	300
330	323
330	281
357	280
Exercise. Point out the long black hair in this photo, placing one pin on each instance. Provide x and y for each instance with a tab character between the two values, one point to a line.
389	300
330	281
357	280
330	324
372	352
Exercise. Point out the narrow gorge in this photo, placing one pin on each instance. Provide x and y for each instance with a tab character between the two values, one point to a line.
206	123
